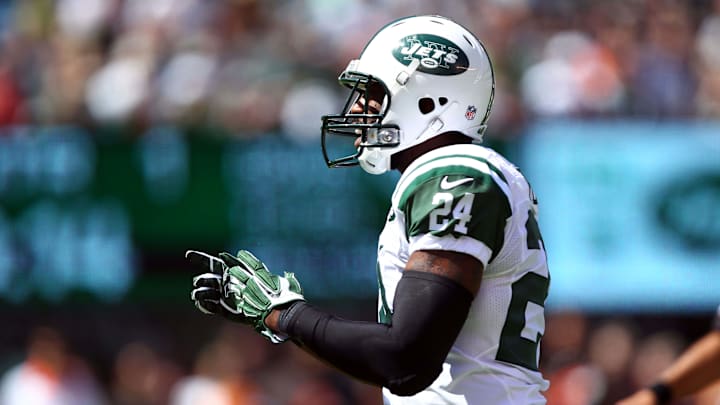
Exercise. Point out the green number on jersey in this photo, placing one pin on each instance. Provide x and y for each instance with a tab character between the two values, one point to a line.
524	325
534	238
523	328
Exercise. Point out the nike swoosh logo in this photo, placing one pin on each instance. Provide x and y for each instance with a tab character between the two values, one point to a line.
447	185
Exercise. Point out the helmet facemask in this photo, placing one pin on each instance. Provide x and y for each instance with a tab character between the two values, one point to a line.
341	131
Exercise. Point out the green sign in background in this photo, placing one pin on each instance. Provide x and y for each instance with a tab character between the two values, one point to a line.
628	211
101	215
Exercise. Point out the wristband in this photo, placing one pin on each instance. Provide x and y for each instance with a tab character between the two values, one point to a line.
287	314
662	392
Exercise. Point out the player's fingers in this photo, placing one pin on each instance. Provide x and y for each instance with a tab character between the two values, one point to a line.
208	280
205	294
237	270
230	260
205	261
250	260
231	307
209	307
237	275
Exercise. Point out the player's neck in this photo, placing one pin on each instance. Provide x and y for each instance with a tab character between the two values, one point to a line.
403	159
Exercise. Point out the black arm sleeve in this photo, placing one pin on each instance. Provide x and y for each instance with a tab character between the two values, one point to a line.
429	311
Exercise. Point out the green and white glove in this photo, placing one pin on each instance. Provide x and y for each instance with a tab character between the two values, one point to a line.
251	291
207	288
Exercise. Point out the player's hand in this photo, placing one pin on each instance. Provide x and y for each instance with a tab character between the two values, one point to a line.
251	291
207	287
207	293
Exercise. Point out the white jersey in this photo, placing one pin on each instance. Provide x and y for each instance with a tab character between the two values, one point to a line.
469	199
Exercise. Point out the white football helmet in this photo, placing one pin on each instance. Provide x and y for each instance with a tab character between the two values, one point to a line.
436	77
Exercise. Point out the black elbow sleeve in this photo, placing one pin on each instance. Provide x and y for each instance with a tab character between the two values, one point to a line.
407	356
414	383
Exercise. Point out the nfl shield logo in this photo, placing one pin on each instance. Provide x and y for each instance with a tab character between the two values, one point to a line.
470	113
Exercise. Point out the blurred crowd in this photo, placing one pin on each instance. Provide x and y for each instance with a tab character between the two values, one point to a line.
235	366
588	360
256	66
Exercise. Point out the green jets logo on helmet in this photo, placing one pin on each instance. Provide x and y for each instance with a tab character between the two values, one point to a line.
437	55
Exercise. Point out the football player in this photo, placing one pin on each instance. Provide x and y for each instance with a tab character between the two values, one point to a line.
462	268
697	368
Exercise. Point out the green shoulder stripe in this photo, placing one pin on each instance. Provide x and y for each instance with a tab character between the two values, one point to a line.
437	173
463	155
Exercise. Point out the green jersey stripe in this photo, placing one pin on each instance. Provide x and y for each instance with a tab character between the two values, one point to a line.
475	162
384	313
412	186
462	155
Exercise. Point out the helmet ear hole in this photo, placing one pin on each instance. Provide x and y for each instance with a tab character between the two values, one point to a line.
443	100
426	105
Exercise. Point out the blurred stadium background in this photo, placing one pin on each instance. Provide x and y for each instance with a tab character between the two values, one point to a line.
132	130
